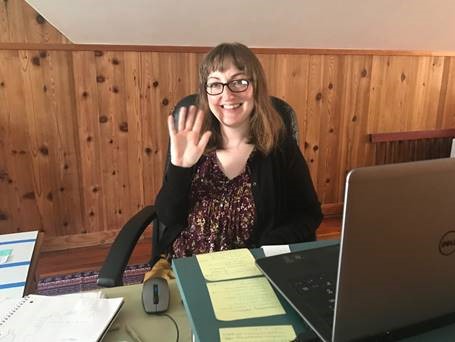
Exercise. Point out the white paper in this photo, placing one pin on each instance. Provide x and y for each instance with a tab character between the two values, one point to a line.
59	318
452	152
275	250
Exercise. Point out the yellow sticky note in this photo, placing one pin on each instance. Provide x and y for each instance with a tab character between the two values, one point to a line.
268	333
232	264
243	298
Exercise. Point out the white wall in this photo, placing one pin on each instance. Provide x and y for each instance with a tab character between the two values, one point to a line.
358	24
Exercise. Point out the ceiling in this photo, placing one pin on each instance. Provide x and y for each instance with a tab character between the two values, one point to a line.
357	24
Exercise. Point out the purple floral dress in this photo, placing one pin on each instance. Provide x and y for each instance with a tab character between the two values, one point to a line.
222	211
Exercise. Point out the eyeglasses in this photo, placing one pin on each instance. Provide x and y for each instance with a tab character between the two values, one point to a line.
236	86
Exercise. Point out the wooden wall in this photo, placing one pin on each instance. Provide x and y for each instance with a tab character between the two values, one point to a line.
83	129
20	23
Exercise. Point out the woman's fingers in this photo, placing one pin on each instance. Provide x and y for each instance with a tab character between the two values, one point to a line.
182	118
171	125
204	140
191	113
190	119
198	122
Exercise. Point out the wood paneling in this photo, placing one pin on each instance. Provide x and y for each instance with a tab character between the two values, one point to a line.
83	136
405	93
446	117
88	120
20	23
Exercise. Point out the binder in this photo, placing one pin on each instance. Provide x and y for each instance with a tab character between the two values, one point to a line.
80	317
17	251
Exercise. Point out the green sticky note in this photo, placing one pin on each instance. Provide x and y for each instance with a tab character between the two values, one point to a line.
5	252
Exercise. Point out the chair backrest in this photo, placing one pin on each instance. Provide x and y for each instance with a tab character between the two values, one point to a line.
290	123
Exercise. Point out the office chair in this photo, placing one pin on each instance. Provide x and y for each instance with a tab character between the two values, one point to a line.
111	273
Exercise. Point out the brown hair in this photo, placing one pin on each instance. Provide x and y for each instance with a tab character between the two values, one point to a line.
266	125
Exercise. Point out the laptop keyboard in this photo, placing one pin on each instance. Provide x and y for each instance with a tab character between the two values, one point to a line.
319	288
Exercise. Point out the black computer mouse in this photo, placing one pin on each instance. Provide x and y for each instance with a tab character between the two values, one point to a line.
155	295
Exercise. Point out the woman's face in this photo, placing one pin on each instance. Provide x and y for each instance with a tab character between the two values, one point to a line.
232	109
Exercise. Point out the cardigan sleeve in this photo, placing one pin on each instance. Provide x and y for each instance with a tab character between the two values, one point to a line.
173	198
301	215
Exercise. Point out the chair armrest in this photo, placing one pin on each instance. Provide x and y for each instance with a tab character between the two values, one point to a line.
111	273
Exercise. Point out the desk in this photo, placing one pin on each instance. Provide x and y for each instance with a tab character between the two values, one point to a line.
148	327
161	329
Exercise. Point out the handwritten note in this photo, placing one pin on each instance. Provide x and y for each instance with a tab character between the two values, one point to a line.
232	264
271	333
243	298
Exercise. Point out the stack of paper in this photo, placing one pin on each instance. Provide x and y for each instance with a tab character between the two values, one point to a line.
238	291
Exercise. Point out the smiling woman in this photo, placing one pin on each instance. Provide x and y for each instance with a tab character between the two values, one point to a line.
233	105
236	63
236	179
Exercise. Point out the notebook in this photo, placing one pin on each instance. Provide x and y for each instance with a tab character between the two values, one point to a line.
392	273
79	317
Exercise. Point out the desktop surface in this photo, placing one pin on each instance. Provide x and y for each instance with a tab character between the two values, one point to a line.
160	328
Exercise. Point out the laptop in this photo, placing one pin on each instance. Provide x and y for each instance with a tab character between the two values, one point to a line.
392	274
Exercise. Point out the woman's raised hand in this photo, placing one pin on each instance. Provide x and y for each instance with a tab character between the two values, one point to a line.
187	143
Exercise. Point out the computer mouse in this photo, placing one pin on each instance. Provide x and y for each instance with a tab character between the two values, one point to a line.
155	295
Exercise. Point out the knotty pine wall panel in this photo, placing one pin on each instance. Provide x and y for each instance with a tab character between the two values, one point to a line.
88	119
20	23
404	94
39	142
19	208
446	113
166	78
47	78
330	97
354	146
111	91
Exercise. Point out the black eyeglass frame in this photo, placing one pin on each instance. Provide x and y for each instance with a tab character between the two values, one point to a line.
227	84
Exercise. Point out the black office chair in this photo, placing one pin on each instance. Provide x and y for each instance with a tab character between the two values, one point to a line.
111	273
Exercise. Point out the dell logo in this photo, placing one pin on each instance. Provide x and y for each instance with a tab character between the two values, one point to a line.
447	243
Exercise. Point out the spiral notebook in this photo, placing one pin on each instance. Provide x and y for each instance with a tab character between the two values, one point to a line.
80	317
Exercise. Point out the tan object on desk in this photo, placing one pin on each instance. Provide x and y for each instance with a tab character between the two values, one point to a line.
162	269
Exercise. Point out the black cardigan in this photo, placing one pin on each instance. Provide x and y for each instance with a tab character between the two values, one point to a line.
287	206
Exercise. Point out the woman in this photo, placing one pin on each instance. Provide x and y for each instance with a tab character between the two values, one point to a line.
235	179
